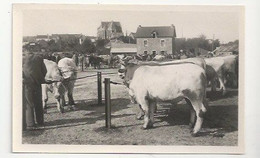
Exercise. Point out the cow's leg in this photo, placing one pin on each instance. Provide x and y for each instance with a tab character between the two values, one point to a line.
234	81
222	86
213	85
153	107
200	110
192	114
61	103
145	106
44	104
140	114
58	104
192	117
44	98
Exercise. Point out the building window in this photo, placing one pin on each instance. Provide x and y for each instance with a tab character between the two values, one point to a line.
145	43
162	43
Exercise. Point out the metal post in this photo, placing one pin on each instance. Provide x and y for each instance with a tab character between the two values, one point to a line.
99	86
108	103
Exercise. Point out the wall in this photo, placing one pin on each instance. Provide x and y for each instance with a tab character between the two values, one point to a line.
154	44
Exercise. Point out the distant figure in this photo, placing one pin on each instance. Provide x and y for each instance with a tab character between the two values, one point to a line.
80	61
86	61
144	56
34	72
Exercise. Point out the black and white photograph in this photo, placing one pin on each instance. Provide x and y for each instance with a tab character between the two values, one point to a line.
128	78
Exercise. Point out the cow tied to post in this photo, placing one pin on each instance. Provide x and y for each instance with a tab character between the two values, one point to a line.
63	75
170	83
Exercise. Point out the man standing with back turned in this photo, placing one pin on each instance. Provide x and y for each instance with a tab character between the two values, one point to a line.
34	72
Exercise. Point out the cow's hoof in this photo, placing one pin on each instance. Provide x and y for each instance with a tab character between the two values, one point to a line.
194	134
149	126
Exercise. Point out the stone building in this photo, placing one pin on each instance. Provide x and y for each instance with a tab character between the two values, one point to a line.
109	30
155	39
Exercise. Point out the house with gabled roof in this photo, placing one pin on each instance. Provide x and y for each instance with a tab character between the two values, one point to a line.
226	49
155	39
109	30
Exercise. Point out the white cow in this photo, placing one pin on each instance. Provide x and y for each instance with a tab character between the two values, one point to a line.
126	72
218	65
226	68
66	73
133	65
230	69
53	74
169	83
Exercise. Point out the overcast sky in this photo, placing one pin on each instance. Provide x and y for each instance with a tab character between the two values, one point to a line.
224	25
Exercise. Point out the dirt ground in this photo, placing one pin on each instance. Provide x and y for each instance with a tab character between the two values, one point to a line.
86	125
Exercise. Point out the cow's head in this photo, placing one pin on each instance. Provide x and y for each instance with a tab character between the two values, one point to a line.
126	71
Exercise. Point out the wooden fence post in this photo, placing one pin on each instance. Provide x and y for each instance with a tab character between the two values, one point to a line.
107	103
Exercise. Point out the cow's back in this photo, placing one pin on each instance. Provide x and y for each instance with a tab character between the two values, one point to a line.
53	73
230	63
132	67
216	63
168	82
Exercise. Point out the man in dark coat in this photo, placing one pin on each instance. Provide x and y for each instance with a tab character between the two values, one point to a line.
34	72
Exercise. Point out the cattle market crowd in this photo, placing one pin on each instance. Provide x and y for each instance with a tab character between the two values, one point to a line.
150	78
